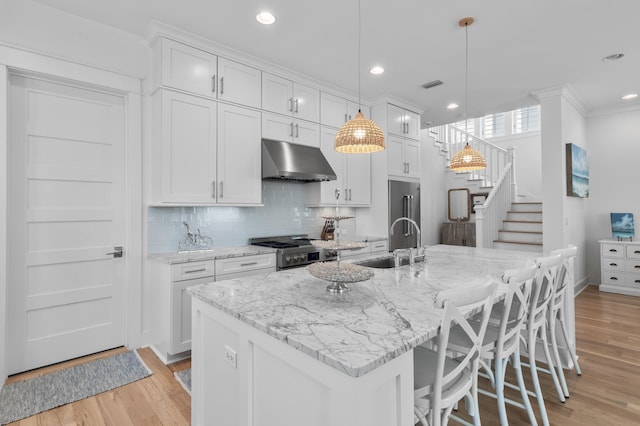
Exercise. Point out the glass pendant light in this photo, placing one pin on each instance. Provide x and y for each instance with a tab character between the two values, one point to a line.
468	159
360	135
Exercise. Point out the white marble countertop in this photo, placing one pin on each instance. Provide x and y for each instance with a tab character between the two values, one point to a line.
378	320
215	253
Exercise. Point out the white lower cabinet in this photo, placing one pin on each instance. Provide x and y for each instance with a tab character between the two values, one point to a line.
171	304
620	267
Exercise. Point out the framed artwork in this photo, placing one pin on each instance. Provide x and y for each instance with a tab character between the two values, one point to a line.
577	171
622	226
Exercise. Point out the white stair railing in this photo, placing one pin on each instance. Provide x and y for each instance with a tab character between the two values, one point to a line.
454	139
491	214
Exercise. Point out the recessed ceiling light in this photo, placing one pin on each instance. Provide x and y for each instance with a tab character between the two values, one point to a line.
265	18
376	70
613	57
452	106
630	96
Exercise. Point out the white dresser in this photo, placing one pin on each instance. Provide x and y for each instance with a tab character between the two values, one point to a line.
620	267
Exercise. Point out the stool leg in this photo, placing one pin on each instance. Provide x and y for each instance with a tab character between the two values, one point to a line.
556	353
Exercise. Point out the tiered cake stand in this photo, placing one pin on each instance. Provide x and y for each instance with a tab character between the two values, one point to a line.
339	273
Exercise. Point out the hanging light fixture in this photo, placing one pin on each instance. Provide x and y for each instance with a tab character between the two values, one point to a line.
468	159
360	135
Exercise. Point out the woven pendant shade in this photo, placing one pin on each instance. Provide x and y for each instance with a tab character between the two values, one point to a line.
466	160
359	136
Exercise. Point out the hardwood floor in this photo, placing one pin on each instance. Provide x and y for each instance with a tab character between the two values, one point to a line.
607	393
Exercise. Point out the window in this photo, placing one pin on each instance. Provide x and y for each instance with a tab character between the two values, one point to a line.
526	119
493	125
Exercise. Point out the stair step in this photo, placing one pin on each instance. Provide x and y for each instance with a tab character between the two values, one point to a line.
524	216
522	225
518	245
520	236
526	206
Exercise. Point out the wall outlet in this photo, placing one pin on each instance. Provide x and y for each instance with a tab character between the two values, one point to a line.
230	356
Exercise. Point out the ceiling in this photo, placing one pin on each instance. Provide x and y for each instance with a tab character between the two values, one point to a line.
515	47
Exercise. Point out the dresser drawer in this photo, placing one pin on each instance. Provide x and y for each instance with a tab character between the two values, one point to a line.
632	280
633	251
245	263
613	250
613	264
632	266
614	278
192	270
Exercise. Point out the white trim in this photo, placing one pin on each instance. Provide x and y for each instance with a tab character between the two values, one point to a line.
565	91
28	62
4	129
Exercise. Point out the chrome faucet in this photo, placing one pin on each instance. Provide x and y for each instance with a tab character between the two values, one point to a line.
412	254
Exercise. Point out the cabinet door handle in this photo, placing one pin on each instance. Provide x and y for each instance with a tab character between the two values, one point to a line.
297	131
290	104
296	106
291	129
242	265
193	271
221	189
213	84
221	85
345	117
213	189
408	168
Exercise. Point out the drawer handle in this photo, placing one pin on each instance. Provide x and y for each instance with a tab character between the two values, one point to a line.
613	264
614	279
636	266
636	251
192	271
613	250
637	281
242	265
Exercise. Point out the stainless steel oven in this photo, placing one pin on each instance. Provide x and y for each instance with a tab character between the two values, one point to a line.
291	250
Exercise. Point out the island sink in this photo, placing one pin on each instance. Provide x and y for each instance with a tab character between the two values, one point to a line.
386	262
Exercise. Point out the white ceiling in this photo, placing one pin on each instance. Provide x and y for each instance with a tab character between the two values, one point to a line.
515	46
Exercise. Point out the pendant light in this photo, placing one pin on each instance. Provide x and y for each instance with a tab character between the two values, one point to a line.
360	135
468	159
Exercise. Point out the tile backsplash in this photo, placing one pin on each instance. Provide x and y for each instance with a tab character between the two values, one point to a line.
284	213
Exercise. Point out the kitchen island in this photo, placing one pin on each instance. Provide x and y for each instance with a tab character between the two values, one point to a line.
277	349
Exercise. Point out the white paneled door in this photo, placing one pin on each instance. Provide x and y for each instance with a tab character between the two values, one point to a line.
66	215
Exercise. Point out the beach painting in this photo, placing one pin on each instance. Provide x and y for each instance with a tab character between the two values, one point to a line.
622	226
577	171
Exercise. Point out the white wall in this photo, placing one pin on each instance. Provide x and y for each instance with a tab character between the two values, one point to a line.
614	150
563	220
433	189
34	26
528	163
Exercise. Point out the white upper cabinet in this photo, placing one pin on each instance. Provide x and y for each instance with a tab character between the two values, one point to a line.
402	122
403	157
239	156
239	83
282	128
197	71
206	152
287	97
335	111
353	173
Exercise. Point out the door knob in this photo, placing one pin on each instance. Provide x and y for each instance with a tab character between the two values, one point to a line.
117	252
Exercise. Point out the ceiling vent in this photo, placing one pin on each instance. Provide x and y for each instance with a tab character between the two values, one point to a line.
431	84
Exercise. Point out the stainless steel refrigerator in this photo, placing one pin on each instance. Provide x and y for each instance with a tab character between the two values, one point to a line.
404	201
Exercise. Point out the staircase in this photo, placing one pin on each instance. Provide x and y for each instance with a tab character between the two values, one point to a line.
501	222
522	229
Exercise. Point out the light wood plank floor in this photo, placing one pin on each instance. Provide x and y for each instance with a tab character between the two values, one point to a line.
607	393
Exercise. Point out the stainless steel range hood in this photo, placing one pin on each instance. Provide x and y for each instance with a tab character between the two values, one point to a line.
289	161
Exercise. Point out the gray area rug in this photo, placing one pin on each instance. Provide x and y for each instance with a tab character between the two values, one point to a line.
28	397
184	378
